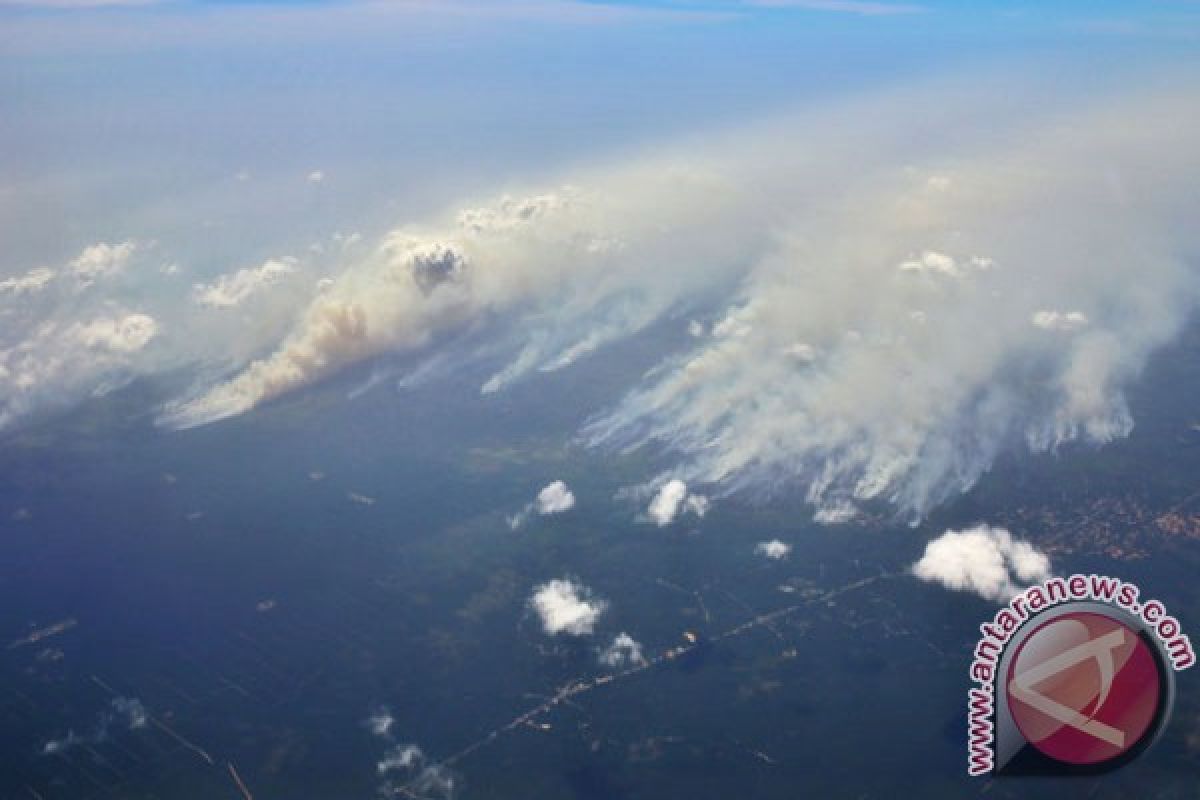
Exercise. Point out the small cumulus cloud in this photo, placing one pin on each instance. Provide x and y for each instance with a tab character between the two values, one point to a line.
774	549
32	282
985	560
55	360
835	513
126	712
409	773
672	499
1060	320
231	290
402	756
567	606
125	334
624	651
554	498
101	260
931	263
380	722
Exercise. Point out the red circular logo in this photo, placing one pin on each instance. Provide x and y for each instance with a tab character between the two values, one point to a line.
1084	688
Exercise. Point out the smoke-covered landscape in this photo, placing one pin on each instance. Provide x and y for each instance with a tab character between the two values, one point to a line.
573	399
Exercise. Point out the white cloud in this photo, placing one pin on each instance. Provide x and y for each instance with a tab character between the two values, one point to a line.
31	282
316	176
623	652
672	498
932	263
418	778
835	513
984	560
380	722
1060	320
231	290
125	334
101	260
400	757
566	606
665	505
512	213
127	712
54	363
774	549
555	499
130	711
696	504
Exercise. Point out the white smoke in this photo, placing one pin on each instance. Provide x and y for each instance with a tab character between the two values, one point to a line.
905	285
577	266
984	560
909	302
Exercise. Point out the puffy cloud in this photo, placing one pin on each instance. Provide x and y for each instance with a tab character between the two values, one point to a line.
932	263
130	711
100	260
672	498
54	361
510	213
231	290
623	652
380	722
31	282
984	560
124	334
418	777
402	756
1060	320
127	712
567	606
774	549
554	499
836	513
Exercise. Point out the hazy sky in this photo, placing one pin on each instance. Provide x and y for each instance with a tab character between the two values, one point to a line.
111	108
